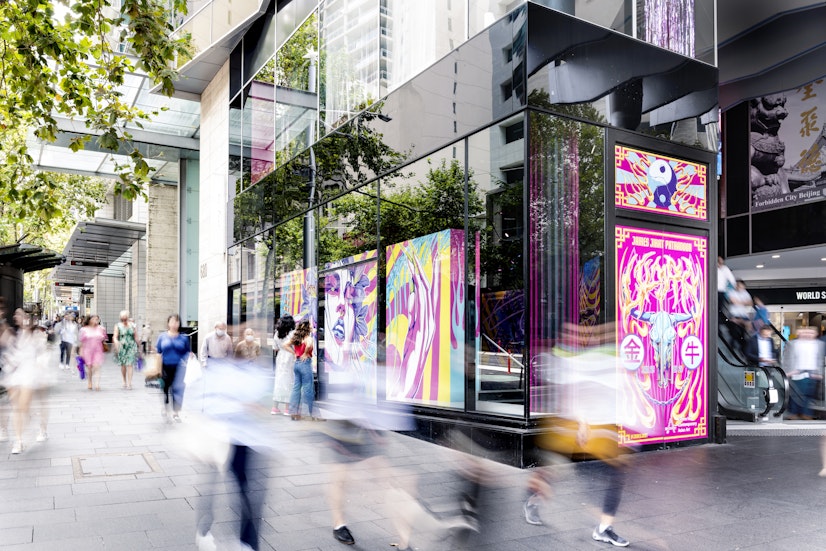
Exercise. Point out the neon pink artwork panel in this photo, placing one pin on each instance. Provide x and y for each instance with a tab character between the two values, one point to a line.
661	335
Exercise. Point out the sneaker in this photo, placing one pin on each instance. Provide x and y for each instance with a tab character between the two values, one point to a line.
532	512
609	536
205	542
275	411
42	436
343	535
18	448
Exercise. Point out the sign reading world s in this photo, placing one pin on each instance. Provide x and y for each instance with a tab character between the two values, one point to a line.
650	182
661	335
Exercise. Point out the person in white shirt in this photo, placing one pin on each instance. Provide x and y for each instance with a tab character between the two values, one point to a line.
68	332
725	282
804	364
217	345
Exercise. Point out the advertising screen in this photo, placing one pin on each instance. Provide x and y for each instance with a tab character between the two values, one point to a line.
661	335
651	182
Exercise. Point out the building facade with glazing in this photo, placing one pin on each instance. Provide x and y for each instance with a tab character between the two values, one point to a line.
441	186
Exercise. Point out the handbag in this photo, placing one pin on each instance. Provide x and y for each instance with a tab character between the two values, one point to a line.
81	367
139	363
153	367
105	346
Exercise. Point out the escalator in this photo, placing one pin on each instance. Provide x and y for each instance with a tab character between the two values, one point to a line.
745	391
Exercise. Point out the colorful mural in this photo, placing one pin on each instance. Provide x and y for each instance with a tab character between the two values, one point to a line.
653	183
299	298
661	335
350	322
426	319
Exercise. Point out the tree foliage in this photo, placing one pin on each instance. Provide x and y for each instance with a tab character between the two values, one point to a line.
73	65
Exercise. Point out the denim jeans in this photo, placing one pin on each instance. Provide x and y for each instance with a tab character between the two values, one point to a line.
303	386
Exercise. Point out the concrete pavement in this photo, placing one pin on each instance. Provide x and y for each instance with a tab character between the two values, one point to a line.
107	478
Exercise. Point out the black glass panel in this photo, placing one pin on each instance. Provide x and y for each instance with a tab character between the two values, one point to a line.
736	158
737	236
787	228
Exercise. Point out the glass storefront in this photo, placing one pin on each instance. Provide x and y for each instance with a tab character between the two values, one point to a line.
437	239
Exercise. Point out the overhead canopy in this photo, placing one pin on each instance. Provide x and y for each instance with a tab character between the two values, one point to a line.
29	258
96	246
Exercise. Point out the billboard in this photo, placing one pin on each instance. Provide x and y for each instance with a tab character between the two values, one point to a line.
426	319
650	182
661	335
787	134
299	298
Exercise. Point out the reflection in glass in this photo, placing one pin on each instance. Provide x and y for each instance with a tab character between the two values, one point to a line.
257	292
495	265
296	85
348	59
566	238
415	34
259	124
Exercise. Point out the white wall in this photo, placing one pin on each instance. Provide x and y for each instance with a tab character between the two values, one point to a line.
212	288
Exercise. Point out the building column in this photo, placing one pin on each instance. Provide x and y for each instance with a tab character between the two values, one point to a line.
162	256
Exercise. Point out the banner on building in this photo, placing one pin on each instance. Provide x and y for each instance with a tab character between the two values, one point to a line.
787	136
661	335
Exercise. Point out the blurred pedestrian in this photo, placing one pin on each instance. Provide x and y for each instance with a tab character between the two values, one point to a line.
6	337
227	403
741	304
217	345
725	283
284	364
92	337
146	338
804	364
68	332
126	348
26	375
584	373
302	343
248	349
174	349
761	349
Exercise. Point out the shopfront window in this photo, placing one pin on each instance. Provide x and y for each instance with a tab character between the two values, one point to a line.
422	227
496	170
259	124
257	258
566	240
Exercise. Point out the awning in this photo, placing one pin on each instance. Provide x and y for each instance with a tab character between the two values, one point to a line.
97	246
29	258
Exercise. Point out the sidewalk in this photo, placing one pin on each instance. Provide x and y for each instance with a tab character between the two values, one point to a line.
106	480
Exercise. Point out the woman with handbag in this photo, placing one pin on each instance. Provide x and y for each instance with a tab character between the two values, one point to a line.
126	348
302	344
92	340
175	350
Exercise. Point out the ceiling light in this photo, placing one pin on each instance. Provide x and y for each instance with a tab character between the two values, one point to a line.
775	256
823	259
759	265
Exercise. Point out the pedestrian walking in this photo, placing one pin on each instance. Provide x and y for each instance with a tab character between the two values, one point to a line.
248	349
174	349
217	345
67	331
126	348
92	337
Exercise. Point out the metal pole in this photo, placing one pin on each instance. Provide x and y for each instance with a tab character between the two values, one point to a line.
309	216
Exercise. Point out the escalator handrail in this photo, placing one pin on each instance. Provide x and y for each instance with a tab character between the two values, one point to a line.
786	389
754	367
778	333
739	360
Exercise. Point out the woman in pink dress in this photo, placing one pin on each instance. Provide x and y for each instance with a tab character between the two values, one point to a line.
92	337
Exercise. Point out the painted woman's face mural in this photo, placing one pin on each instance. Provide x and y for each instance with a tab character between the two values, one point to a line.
350	323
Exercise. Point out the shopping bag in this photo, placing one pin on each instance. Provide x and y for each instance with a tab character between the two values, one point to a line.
81	367
139	363
153	367
193	370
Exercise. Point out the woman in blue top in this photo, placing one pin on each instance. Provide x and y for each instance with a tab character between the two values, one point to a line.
174	349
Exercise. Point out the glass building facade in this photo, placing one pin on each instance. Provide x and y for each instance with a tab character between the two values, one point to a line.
435	186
